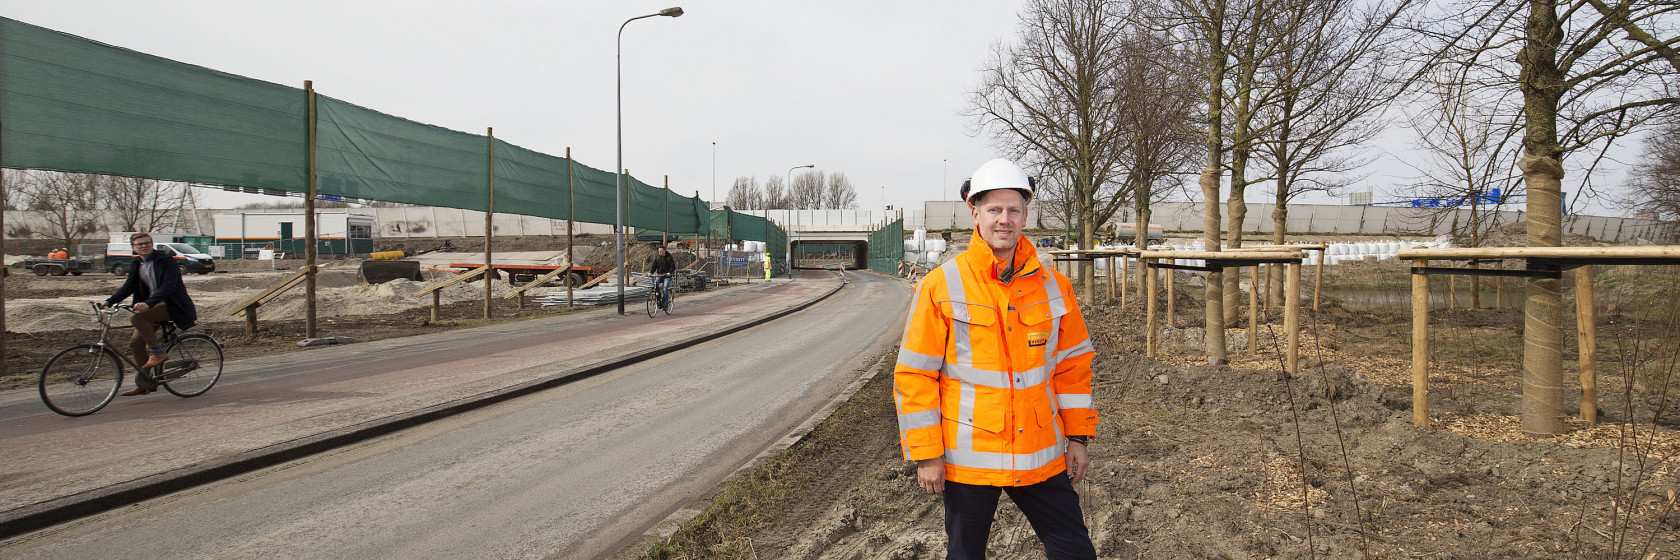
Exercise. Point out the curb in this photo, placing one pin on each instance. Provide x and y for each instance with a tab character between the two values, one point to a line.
693	508
52	512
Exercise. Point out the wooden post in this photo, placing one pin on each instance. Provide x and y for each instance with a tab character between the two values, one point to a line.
251	320
1124	266
435	304
1253	310
1109	264
309	220
1499	292
1168	273
1452	292
1587	337
1420	345
571	216
1292	316
1149	304
1318	277
1267	281
1475	287
3	271
489	221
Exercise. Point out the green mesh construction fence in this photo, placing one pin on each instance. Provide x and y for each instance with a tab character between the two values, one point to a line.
70	104
886	248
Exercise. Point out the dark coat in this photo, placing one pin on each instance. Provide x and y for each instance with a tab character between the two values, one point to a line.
167	274
664	265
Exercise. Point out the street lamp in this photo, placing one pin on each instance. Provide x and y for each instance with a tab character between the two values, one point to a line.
945	180
796	216
618	170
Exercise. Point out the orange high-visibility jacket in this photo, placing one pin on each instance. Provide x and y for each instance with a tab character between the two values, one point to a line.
993	375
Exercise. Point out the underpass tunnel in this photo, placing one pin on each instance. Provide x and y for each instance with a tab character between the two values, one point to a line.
821	253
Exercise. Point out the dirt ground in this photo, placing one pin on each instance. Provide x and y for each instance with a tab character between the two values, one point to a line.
1240	461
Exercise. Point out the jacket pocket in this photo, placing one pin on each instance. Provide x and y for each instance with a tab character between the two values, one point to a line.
985	414
969	313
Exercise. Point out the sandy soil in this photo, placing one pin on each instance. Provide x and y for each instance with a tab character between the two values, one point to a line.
47	313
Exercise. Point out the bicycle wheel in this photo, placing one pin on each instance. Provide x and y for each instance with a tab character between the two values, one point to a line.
670	301
81	379
194	365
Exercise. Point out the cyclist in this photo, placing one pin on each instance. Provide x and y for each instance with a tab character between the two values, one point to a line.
154	279
663	266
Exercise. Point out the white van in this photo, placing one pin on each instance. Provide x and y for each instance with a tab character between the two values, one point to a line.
120	254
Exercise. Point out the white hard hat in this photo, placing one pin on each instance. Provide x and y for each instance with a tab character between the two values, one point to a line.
999	174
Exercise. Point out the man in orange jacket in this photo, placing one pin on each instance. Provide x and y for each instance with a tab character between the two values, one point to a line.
993	381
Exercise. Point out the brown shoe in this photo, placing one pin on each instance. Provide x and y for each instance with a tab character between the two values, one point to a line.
155	360
137	391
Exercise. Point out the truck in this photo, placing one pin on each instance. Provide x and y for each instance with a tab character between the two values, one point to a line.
73	266
119	254
1126	232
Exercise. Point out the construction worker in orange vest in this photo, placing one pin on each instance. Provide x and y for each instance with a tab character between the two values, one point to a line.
993	381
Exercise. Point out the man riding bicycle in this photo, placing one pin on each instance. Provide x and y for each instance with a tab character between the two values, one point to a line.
155	281
663	266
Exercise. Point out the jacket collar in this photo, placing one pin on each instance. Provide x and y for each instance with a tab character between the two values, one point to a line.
1026	257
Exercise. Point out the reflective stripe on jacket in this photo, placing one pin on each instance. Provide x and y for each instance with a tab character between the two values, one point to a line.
993	375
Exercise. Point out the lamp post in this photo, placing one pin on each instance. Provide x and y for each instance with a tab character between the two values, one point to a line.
618	170
795	216
945	180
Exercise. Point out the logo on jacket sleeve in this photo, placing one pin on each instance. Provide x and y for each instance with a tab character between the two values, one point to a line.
1037	338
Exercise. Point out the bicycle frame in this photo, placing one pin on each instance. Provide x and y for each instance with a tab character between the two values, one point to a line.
165	338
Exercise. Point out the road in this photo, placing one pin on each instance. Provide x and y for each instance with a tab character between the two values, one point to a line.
572	472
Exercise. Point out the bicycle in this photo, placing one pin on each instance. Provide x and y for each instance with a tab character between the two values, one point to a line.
82	379
661	298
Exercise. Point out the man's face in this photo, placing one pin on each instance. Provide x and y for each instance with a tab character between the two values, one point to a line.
1000	215
143	247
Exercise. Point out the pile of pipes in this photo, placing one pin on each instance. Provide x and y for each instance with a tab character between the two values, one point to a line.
601	294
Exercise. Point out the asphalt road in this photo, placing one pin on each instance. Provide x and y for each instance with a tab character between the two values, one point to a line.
572	472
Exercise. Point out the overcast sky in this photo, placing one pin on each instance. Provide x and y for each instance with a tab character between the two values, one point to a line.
874	89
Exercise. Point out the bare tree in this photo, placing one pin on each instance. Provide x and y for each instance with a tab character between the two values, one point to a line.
15	181
1333	77
1654	184
840	195
776	194
1203	27
1157	109
745	194
1589	73
68	202
1050	98
807	190
1055	196
1467	145
139	204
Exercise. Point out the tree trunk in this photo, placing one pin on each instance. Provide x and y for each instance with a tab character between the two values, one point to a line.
1280	230
1215	293
1542	85
1542	403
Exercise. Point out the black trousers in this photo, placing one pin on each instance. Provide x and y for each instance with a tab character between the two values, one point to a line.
1052	507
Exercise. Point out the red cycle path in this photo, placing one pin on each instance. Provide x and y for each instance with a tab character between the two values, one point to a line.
46	456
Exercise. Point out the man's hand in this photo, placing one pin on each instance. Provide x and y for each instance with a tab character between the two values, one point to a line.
931	474
141	307
1078	461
